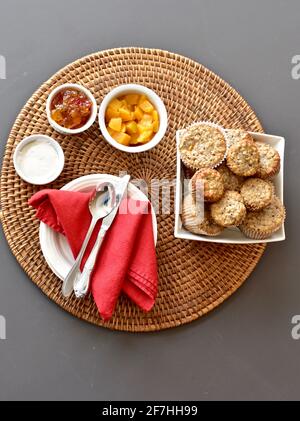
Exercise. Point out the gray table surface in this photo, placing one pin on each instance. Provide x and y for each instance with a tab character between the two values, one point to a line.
242	350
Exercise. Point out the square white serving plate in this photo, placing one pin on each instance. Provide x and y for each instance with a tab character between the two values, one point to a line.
230	235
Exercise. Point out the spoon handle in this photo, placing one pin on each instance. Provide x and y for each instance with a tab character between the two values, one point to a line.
82	283
68	283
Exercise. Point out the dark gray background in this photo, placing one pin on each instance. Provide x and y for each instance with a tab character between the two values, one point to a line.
242	350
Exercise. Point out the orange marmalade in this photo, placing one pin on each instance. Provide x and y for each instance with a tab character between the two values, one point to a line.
71	108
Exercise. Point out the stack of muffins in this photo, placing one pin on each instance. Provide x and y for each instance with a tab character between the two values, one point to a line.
232	173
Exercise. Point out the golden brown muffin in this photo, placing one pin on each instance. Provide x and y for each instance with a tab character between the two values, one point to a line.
269	161
234	135
202	146
262	224
207	184
243	157
257	193
230	210
231	181
196	221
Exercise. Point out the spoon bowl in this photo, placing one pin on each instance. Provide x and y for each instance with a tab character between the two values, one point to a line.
103	200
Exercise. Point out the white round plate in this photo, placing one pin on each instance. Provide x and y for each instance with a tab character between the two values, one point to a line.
55	247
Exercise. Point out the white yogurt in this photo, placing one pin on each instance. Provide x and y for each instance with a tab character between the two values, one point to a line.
38	159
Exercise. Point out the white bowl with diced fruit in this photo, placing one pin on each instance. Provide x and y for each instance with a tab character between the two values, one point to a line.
133	118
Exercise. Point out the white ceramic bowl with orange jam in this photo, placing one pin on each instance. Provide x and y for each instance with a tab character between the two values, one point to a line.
133	118
81	121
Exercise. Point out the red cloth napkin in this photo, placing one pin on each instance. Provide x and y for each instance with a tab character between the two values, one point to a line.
127	258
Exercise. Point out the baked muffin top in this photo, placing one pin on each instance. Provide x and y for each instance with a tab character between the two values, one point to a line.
234	135
243	157
262	224
231	181
207	183
230	210
202	146
269	160
257	193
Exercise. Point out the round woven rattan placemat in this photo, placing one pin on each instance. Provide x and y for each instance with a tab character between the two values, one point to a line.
194	277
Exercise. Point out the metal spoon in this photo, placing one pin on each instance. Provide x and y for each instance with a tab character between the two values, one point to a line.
100	205
82	281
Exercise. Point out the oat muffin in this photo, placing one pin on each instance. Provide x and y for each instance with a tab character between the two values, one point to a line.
269	161
231	181
257	193
230	210
234	135
196	221
202	146
207	184
243	157
262	224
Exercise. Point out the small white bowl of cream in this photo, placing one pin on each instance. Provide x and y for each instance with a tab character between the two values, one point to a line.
39	159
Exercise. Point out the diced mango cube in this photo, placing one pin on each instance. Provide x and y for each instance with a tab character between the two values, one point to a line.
131	127
111	113
138	113
155	121
124	104
122	138
146	106
145	136
145	123
113	109
123	128
155	126
155	115
115	124
142	99
145	126
111	132
147	118
134	139
132	99
125	114
115	103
